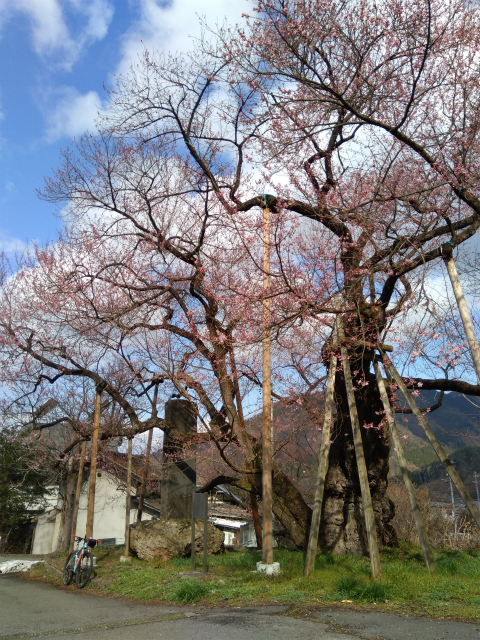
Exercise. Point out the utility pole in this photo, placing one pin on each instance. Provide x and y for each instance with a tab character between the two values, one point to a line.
448	479
267	546
476	480
93	466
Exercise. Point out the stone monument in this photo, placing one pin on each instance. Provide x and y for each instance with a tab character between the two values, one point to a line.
179	465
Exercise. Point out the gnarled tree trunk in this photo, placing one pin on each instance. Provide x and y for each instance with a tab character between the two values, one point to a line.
342	528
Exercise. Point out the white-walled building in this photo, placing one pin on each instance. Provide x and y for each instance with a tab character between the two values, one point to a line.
109	514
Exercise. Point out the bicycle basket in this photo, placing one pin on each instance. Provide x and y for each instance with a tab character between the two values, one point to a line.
92	543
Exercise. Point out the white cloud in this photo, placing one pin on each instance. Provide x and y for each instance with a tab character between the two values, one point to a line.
99	14
10	187
51	35
74	114
160	26
8	244
170	26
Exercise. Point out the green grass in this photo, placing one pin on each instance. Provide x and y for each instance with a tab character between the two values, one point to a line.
406	585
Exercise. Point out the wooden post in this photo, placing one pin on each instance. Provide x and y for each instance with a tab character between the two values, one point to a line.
93	466
361	465
267	500
126	552
447	250
145	475
253	498
192	539
77	496
322	469
205	537
439	450
407	479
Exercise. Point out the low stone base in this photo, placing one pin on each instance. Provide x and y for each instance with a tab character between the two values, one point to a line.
54	564
125	558
269	569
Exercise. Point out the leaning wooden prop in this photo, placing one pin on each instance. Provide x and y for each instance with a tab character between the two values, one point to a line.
439	450
323	463
360	458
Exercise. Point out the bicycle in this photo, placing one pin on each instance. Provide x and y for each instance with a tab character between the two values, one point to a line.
80	563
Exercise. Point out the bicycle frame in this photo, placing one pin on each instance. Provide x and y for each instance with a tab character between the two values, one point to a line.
79	552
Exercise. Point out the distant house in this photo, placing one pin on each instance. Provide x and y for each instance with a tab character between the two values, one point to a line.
226	513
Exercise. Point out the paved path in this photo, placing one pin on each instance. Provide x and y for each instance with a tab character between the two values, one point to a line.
19	556
37	610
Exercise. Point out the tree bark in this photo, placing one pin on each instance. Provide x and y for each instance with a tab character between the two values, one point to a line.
370	526
67	492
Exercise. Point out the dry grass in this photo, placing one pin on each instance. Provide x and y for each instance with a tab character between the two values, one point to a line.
438	522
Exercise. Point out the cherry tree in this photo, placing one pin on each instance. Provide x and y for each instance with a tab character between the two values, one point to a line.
361	119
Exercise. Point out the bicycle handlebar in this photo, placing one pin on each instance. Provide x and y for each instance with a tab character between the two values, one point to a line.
86	539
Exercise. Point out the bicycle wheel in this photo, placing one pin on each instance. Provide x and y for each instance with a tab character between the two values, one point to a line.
68	569
84	569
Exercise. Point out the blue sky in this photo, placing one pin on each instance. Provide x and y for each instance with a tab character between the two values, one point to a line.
55	56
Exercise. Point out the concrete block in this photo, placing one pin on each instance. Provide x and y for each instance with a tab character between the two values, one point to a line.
269	569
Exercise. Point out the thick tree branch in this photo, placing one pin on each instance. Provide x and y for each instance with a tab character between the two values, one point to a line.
443	385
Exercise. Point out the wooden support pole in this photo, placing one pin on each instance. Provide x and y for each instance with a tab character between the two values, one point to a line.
361	465
253	498
192	539
93	466
205	537
147	457
439	450
256	516
267	499
447	250
77	496
407	479
126	552
322	469
145	476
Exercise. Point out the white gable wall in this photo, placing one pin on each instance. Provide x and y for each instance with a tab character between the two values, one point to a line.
109	513
108	519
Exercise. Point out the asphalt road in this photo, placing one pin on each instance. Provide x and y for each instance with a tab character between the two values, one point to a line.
37	610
